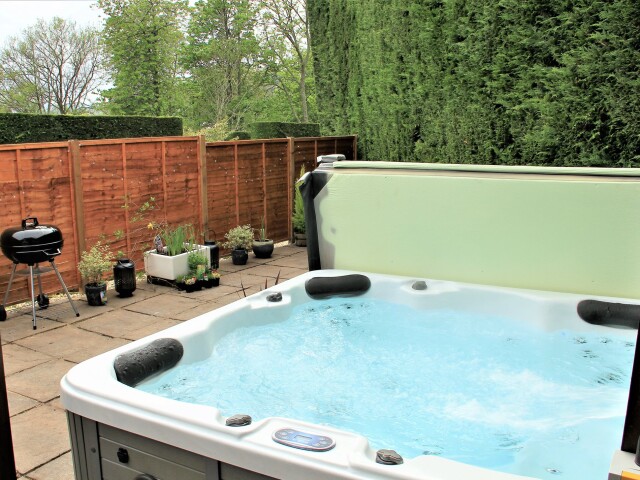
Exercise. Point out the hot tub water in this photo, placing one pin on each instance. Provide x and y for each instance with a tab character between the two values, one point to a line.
488	391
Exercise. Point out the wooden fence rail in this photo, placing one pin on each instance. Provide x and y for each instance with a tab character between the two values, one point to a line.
93	189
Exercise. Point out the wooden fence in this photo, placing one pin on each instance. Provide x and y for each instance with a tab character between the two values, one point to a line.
94	189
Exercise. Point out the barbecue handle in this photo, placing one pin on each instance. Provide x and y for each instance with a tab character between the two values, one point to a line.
32	224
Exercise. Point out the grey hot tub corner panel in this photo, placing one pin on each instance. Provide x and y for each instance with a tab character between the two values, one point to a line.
85	448
98	451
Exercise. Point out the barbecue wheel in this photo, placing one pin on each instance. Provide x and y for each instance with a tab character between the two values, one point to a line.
3	314
43	301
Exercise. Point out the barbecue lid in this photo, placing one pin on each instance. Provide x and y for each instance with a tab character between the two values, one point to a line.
31	235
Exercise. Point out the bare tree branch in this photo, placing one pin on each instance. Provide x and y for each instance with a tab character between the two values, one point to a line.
52	68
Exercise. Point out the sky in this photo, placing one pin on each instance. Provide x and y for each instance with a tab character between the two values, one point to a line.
17	15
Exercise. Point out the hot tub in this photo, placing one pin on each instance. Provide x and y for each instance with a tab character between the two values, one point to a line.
120	431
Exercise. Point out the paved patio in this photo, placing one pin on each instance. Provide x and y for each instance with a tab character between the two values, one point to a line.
35	361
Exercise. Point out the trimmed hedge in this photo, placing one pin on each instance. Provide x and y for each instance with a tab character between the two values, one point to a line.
284	130
28	128
517	82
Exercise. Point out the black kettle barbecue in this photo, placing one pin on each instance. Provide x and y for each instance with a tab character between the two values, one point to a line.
32	244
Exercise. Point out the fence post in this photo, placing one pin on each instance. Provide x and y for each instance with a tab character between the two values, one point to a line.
291	159
355	147
204	203
265	219
78	202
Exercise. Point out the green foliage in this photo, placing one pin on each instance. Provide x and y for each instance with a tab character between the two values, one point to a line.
239	238
238	135
283	130
27	128
94	263
196	259
225	61
176	238
297	219
463	81
143	39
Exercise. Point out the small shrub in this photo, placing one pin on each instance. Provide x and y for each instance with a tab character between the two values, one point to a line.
94	262
239	238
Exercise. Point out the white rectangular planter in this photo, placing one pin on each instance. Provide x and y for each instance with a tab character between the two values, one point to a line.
169	268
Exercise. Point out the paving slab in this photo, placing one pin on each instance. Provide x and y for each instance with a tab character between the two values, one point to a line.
17	358
199	310
288	250
139	295
167	305
126	324
64	313
41	382
60	468
71	343
39	435
239	279
19	403
294	261
229	267
277	271
15	328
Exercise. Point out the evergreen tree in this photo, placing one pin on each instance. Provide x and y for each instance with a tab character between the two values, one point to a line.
143	39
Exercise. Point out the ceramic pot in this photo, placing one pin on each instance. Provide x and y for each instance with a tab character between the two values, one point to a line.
239	256
263	249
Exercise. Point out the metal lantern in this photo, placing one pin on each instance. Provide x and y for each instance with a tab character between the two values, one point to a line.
214	253
124	277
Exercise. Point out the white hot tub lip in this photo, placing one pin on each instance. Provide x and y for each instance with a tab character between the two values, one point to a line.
91	390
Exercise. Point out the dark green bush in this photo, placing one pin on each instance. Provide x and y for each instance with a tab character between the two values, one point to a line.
28	128
238	135
284	130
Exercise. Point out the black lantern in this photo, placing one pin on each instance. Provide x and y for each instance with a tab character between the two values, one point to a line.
214	253
124	277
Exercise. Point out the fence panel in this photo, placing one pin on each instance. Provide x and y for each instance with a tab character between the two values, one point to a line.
35	181
94	189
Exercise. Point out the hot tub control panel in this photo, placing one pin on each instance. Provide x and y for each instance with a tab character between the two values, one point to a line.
305	441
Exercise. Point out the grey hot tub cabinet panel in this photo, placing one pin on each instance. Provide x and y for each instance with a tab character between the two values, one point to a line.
101	452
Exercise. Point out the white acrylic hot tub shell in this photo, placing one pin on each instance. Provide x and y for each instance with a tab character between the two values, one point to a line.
91	390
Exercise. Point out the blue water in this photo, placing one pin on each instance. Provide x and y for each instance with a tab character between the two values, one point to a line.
487	391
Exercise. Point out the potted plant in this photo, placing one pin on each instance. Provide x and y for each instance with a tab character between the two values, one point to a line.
170	257
262	246
92	266
297	219
239	240
210	278
191	283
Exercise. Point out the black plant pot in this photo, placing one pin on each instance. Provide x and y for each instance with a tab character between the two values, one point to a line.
263	249
239	257
212	282
194	287
96	294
